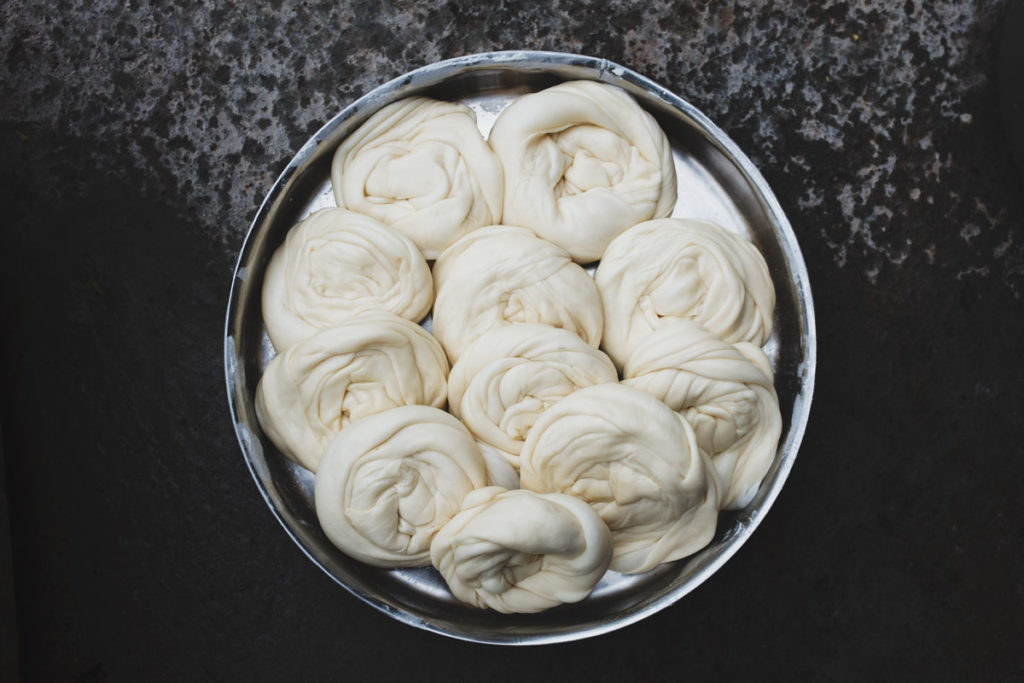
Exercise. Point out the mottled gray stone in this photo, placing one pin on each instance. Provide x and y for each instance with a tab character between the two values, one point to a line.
859	111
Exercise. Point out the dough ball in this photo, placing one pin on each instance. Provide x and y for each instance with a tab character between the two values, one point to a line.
387	483
336	265
670	269
520	551
421	166
583	162
361	367
636	462
503	275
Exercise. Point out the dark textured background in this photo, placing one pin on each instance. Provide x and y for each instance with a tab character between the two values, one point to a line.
137	140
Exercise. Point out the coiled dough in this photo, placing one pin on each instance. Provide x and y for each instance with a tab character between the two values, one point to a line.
387	483
725	392
361	367
520	551
582	162
502	275
633	459
335	265
421	166
510	375
688	269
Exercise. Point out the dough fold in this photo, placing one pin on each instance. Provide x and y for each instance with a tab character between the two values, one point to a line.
510	375
688	269
421	166
503	275
499	470
336	265
520	551
387	483
582	162
361	367
633	459
725	392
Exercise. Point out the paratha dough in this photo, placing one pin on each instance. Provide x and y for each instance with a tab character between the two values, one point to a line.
582	162
421	166
387	483
499	471
503	275
683	269
336	265
520	551
725	392
633	459
361	367
510	375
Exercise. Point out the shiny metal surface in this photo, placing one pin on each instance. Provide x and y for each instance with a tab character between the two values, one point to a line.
716	180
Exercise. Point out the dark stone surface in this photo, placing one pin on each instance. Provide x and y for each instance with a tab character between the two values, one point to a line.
138	140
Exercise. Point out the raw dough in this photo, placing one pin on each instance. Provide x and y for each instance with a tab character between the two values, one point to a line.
387	483
583	162
636	461
361	367
499	471
689	269
421	166
725	392
335	265
520	551
502	275
510	375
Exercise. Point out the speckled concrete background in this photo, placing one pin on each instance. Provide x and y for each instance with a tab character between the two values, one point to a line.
865	113
138	140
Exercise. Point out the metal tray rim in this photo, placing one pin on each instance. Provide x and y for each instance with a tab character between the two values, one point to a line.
520	59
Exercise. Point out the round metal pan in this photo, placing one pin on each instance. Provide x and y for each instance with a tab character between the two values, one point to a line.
716	181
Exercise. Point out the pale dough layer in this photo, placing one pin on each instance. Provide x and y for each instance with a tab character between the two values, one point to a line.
361	367
636	462
520	551
725	392
499	470
421	166
336	265
510	375
387	483
582	162
683	269
502	275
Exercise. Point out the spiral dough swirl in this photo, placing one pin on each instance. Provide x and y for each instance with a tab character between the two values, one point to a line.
390	481
421	166
335	265
520	551
361	367
687	269
582	162
633	459
504	275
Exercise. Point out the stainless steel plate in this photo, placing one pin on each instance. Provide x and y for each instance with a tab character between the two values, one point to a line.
716	181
